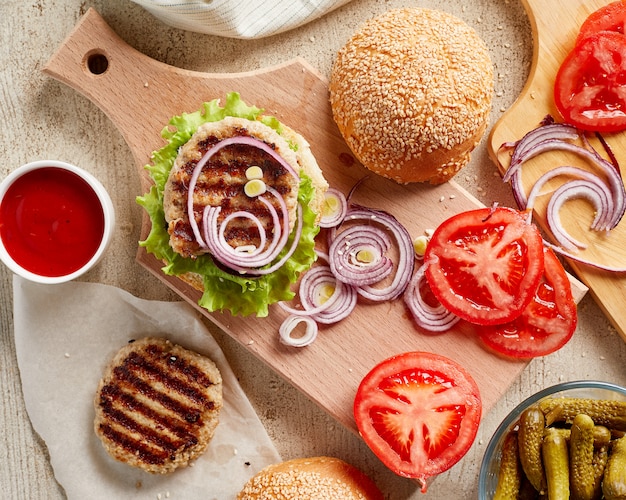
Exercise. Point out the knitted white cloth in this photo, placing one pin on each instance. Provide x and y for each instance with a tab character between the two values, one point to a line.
238	18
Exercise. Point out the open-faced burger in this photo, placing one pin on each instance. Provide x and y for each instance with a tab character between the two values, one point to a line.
235	206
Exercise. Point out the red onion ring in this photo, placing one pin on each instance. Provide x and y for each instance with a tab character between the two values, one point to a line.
231	257
337	307
431	318
614	179
602	220
290	324
533	139
343	253
406	261
604	189
582	260
570	190
336	217
249	141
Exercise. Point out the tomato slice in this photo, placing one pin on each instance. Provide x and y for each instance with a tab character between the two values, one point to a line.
419	413
547	323
611	17
484	265
590	86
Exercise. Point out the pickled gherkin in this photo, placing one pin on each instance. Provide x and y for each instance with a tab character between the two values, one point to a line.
609	413
600	459
530	436
556	463
582	474
614	481
510	472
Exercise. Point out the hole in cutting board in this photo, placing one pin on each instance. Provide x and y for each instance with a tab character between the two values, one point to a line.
97	63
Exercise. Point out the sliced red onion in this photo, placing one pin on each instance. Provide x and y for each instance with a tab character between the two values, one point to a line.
431	318
336	215
230	262
614	179
232	257
568	191
406	261
530	145
288	327
294	244
578	257
604	188
602	220
337	307
345	249
245	140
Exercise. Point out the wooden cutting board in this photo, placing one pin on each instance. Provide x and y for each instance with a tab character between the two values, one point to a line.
555	26
140	95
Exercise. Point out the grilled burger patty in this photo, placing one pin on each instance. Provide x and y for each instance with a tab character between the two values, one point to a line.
157	405
222	180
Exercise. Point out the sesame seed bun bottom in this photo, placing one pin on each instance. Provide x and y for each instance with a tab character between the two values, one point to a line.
411	94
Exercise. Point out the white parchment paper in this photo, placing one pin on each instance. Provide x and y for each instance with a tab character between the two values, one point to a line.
65	335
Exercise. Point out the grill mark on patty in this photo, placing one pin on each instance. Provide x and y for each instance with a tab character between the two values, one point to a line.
138	448
191	372
135	366
117	404
221	184
129	423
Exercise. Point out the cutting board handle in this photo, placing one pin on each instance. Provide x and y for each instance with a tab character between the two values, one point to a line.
97	63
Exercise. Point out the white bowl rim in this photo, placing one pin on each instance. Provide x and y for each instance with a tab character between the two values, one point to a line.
105	202
513	415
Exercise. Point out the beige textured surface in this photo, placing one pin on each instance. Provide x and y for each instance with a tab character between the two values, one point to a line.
45	119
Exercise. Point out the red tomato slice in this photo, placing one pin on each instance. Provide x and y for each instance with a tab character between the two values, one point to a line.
484	265
546	324
611	17
419	413
590	86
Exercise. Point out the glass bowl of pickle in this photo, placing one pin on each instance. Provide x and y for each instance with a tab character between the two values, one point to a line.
568	440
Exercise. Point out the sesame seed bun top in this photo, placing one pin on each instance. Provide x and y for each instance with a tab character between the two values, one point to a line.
411	94
310	478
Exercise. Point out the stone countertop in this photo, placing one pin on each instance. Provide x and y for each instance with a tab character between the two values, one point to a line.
45	119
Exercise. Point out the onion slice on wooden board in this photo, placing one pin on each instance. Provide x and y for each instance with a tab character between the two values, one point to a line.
405	261
602	185
335	208
432	318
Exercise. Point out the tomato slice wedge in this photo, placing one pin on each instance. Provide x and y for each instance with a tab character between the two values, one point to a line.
419	412
611	17
547	323
484	265
590	86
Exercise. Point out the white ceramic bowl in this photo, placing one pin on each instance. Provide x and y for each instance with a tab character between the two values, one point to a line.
106	205
488	478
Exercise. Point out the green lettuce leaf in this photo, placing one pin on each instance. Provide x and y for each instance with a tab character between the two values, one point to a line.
240	295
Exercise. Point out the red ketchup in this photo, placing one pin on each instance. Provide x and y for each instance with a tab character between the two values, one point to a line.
51	221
